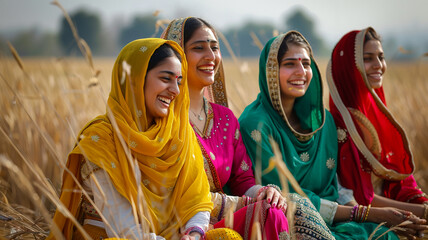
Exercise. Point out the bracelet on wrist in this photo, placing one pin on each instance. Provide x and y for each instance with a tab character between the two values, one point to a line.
197	230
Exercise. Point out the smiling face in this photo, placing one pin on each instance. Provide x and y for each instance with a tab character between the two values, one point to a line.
203	57
374	63
161	87
295	72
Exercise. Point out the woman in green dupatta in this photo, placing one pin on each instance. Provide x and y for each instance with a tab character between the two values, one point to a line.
289	109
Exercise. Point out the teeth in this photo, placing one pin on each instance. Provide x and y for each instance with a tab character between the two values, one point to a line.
206	68
297	82
165	100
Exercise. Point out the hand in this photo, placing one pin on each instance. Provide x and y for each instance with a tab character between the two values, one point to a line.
192	236
273	197
393	217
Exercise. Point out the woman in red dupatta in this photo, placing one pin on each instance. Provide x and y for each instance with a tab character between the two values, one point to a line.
375	159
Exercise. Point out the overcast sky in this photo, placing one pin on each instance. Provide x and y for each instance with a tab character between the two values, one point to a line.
333	18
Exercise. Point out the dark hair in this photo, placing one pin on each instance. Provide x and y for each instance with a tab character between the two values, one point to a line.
164	51
292	39
192	24
371	35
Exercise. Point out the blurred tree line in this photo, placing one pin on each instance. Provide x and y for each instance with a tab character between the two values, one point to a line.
244	40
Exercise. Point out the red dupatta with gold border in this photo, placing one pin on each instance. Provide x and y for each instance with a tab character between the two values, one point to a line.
370	139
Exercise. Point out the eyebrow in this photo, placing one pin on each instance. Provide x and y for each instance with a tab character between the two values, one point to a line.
294	59
204	41
170	73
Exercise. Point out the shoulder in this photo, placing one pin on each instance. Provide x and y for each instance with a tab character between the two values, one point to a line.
223	112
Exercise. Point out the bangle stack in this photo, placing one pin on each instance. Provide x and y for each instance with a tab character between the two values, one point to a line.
195	229
360	213
247	200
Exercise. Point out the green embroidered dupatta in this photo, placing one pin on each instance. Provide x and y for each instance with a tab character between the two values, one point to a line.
311	157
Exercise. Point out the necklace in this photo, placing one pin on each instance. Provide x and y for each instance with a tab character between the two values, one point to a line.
200	118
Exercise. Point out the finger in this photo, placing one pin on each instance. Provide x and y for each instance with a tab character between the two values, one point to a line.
269	194
275	199
281	202
261	196
405	234
417	227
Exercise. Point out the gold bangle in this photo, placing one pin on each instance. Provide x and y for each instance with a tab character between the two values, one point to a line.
367	213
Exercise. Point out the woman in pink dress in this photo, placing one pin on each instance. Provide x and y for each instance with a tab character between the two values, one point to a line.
226	162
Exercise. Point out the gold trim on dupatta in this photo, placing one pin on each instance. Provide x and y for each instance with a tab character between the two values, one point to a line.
272	78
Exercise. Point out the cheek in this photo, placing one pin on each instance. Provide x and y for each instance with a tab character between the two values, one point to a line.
309	76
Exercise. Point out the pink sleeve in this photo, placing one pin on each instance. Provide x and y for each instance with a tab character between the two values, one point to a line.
242	177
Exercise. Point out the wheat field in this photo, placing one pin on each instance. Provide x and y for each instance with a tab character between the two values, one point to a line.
45	102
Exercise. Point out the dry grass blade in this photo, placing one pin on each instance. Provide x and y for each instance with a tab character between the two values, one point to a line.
393	228
291	210
70	22
16	55
282	168
25	184
256	233
88	54
256	40
229	217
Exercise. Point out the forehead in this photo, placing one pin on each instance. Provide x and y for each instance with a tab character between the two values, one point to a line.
373	46
203	33
170	64
295	51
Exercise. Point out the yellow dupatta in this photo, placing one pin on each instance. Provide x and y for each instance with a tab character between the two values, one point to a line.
173	183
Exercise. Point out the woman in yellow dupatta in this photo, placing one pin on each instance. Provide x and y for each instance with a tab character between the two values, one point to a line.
153	162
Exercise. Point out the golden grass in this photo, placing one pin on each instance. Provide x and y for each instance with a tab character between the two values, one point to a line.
44	107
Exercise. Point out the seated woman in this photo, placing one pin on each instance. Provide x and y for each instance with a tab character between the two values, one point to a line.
140	163
226	162
375	160
289	109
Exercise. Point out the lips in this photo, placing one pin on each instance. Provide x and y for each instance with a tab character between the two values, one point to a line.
206	68
165	100
376	76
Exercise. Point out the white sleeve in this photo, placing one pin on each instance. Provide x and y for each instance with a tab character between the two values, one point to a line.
345	195
328	210
116	209
200	219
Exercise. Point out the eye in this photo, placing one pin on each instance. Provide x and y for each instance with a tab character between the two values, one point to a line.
287	64
306	64
367	59
166	79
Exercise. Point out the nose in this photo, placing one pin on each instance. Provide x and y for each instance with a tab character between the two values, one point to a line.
210	55
377	63
300	69
173	88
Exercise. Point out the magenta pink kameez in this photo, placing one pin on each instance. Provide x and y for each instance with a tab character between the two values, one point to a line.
227	164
